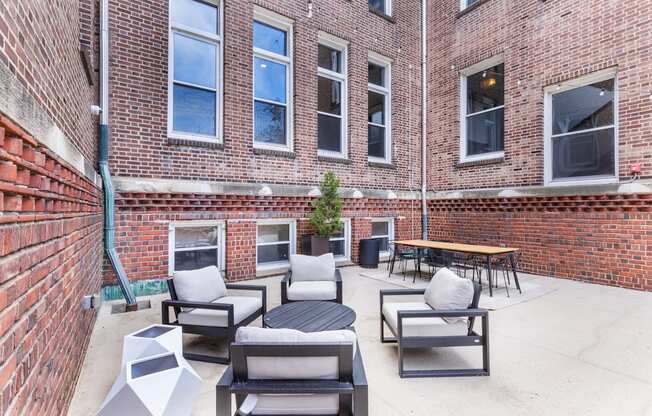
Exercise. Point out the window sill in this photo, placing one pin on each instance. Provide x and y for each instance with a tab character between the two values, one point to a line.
334	159
384	165
273	152
583	182
177	141
480	162
470	8
381	14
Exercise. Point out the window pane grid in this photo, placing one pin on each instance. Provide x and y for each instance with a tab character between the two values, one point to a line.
485	111
571	133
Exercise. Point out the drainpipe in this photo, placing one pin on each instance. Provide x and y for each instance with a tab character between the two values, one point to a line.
424	119
109	193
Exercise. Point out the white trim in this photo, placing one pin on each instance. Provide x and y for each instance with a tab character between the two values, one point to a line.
220	247
549	91
390	231
342	77
213	39
285	24
293	243
346	222
385	90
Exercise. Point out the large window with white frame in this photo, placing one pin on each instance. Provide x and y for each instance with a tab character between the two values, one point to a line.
275	241
381	6
482	106
332	96
272	80
466	3
383	229
581	130
340	242
379	106
195	80
195	245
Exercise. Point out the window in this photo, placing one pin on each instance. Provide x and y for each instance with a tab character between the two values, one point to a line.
382	6
195	244
340	243
194	87
272	80
379	105
275	242
466	3
332	97
383	228
482	111
581	130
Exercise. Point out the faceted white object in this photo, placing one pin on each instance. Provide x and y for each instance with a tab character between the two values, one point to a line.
153	340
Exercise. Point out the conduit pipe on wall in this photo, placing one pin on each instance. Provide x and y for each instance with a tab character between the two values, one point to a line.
424	119
109	193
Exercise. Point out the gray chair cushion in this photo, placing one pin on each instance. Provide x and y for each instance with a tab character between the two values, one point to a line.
291	404
447	290
312	291
243	306
201	285
309	268
421	327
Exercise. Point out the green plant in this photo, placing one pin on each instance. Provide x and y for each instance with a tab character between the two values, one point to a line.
325	217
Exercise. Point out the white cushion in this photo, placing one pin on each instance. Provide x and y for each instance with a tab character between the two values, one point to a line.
243	306
421	327
303	368
309	268
201	285
291	404
447	291
312	291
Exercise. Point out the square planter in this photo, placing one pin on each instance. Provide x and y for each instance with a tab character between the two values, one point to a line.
152	340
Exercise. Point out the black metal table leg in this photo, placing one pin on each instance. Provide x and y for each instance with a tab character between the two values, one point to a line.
491	291
392	261
511	262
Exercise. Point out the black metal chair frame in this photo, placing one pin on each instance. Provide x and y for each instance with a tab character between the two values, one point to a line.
227	332
412	342
287	280
351	386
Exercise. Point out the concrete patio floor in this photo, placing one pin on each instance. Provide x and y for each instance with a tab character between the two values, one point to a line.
575	349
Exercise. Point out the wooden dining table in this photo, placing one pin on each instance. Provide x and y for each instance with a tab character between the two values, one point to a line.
478	250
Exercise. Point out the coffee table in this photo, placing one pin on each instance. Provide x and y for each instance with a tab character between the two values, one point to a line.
310	316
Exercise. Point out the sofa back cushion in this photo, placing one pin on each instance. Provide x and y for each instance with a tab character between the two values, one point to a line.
303	368
201	285
447	290
309	268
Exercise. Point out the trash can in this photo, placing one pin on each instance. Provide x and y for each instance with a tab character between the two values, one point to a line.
369	251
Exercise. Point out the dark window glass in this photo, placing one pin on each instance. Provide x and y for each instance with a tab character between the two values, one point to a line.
195	259
485	132
329	96
193	110
190	55
153	365
329	58
379	228
378	5
271	233
583	108
273	253
485	89
376	75
269	80
195	237
269	123
376	136
337	247
376	108
194	14
470	2
329	133
269	38
583	154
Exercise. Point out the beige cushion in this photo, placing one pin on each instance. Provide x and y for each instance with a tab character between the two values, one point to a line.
291	404
273	368
201	285
243	306
309	268
312	291
421	327
447	291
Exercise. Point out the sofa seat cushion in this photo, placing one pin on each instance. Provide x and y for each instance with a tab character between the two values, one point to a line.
291	404
310	268
424	327
243	306
448	291
201	285
312	291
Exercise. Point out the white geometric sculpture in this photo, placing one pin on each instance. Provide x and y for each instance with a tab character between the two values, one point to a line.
159	385
155	339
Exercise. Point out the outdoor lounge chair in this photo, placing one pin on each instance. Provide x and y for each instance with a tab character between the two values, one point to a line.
312	278
202	306
442	317
288	372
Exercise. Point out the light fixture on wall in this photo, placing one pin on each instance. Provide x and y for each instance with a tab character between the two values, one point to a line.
309	9
601	92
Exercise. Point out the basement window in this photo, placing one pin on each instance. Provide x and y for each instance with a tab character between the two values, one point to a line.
383	228
340	243
275	241
195	245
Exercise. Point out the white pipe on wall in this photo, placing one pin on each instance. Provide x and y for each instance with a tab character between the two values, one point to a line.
424	118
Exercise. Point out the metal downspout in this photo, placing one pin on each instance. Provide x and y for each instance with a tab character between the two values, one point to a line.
424	119
109	193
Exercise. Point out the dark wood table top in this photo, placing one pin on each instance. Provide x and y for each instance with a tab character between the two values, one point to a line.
310	316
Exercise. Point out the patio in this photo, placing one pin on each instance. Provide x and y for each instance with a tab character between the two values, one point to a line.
563	347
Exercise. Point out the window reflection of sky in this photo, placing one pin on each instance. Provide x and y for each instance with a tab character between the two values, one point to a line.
194	61
269	80
195	14
269	38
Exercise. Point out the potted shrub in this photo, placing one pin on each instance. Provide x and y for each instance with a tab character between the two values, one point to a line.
325	217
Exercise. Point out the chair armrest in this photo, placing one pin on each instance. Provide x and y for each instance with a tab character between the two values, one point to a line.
359	374
166	304
259	288
338	286
223	393
398	292
284	287
287	277
338	275
227	378
450	313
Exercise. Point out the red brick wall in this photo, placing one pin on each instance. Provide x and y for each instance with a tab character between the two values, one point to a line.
50	256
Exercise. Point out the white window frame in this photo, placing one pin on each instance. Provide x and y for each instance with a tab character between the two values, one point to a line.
346	224
390	230
341	46
214	39
285	24
293	242
551	90
464	4
221	241
388	8
464	74
386	63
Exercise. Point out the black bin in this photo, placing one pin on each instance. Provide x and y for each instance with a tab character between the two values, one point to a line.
369	249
